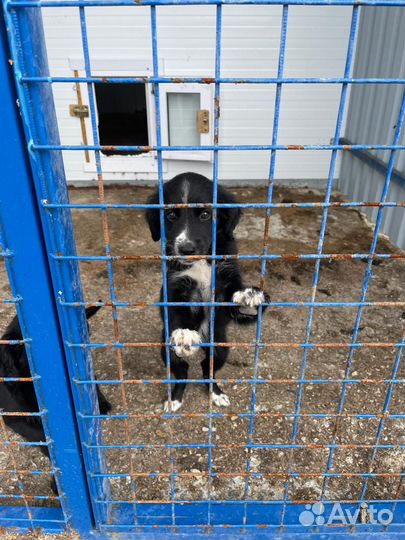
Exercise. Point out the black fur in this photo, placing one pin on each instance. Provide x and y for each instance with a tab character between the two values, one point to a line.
20	396
183	288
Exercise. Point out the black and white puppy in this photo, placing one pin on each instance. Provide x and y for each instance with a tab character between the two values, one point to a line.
20	396
189	232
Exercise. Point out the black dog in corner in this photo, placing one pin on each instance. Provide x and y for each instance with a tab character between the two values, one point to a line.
20	396
189	232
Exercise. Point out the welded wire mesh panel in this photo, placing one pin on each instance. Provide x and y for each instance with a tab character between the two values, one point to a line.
313	437
29	498
26	473
45	491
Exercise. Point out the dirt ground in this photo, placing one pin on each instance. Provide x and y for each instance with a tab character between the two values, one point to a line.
292	231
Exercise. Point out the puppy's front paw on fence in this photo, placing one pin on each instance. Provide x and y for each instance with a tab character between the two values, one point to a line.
182	341
250	299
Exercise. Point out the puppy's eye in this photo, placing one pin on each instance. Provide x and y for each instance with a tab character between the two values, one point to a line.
171	215
205	214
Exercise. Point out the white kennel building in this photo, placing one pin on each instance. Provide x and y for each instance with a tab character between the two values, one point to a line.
316	46
120	45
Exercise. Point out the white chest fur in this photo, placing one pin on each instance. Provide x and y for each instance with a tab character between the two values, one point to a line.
200	272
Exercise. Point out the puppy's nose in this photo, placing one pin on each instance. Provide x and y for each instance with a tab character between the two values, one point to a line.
187	248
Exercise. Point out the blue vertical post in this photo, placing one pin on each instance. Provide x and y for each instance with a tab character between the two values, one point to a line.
37	309
156	91
27	43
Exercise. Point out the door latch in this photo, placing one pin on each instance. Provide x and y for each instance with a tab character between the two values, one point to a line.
203	121
79	111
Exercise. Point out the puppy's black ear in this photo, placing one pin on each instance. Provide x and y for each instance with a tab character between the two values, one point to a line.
228	218
153	217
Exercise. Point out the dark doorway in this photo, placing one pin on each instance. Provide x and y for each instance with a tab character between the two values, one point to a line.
122	116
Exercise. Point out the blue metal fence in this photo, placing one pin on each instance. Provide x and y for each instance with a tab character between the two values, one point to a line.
24	253
38	235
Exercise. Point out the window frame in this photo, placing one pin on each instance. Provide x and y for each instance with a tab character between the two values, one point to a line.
147	162
142	163
206	102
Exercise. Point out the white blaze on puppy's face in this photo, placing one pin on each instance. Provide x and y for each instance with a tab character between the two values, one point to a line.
185	190
180	239
183	237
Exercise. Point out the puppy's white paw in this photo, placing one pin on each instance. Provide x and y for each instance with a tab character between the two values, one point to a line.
182	341
173	406
250	297
249	300
220	400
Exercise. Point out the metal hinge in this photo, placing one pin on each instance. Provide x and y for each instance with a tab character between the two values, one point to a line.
203	121
79	111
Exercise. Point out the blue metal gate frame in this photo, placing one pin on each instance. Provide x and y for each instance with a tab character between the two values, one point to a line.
52	312
24	252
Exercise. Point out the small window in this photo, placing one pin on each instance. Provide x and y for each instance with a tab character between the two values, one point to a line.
182	118
181	105
122	116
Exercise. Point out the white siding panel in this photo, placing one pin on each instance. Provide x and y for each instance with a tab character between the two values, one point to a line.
373	115
316	47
